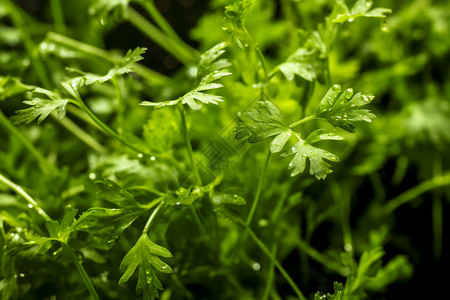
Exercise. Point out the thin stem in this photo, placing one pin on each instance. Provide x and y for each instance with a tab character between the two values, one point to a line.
58	16
306	119
274	260
152	217
160	38
411	194
106	129
82	271
187	141
44	164
165	26
271	275
198	222
150	75
36	63
343	203
263	62
19	190
258	190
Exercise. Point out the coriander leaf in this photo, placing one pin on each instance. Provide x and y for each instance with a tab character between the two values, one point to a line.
41	107
209	69
224	198
10	86
234	22
62	231
261	121
145	256
339	112
105	225
337	295
303	149
104	8
304	63
122	67
361	8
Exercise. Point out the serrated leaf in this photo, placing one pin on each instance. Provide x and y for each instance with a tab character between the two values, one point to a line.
41	107
114	193
208	70
361	8
10	86
234	22
318	167
144	255
61	231
104	8
303	63
125	65
279	141
261	121
320	135
339	112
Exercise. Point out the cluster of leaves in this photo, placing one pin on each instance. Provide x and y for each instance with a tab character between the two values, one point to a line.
105	190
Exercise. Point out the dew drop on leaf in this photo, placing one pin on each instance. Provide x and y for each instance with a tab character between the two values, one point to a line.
30	205
92	176
351	20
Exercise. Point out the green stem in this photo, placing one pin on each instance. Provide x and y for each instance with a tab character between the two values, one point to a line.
82	271
44	164
263	63
106	129
19	190
306	119
198	222
187	141
165	26
411	194
58	16
343	202
36	63
271	275
160	38
258	191
274	261
150	75
152	217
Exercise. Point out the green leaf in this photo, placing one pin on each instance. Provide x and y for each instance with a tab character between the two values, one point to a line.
340	111
234	22
144	255
41	107
303	63
114	193
122	67
224	198
10	86
361	8
337	295
303	150
260	122
105	8
209	69
61	231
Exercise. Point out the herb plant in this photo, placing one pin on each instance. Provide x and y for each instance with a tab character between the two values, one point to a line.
146	158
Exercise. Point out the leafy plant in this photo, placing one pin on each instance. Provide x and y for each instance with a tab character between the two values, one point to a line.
174	203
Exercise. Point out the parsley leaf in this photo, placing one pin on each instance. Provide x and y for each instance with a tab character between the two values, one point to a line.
122	67
234	22
209	69
303	149
104	8
361	8
41	107
260	122
304	63
339	112
61	231
145	256
10	86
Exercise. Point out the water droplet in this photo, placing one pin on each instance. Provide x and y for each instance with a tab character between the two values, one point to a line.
385	28
352	105
365	98
22	275
147	272
345	116
92	176
178	203
304	155
349	93
111	241
102	21
290	164
315	154
152	158
333	157
337	87
293	148
256	266
351	20
61	112
163	267
337	117
30	205
348	247
140	155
